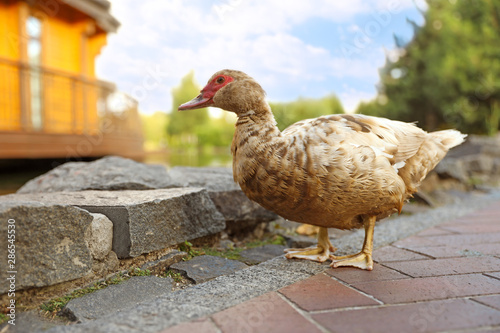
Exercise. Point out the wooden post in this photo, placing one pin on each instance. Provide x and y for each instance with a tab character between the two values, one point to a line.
24	68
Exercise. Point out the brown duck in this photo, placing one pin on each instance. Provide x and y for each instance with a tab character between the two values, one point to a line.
336	171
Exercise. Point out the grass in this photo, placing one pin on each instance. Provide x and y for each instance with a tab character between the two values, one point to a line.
188	248
474	181
3	318
276	240
231	253
140	272
52	307
194	252
177	277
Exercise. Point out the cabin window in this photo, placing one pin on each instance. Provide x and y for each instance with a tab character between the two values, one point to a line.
34	31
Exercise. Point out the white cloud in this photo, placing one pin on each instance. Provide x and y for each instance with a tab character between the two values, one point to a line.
351	98
254	36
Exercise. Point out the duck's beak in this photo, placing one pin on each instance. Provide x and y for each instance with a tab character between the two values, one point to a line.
197	103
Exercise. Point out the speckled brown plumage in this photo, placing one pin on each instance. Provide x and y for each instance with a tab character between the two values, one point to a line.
335	171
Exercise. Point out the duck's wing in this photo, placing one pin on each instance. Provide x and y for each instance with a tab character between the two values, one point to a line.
397	141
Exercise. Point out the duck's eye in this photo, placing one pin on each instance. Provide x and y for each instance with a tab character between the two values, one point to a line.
220	80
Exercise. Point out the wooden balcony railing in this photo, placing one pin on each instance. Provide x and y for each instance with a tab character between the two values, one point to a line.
39	104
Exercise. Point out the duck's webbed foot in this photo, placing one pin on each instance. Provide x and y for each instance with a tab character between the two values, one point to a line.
362	259
321	253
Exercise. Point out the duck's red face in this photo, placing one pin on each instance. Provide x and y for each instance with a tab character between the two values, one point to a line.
205	98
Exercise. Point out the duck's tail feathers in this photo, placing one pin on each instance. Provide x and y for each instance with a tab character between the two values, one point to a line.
449	138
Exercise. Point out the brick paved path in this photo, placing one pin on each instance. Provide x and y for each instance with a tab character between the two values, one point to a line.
446	278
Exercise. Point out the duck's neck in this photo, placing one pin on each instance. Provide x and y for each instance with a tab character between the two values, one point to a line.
255	137
259	125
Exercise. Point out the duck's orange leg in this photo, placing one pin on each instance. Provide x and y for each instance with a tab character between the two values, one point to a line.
322	252
362	259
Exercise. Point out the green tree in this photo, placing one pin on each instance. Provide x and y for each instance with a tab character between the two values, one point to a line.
154	130
448	74
218	132
182	126
304	108
374	108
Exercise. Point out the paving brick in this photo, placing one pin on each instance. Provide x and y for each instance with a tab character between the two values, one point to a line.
355	275
482	214
391	253
266	313
495	275
436	231
448	266
480	227
453	240
495	205
493	210
422	317
486	213
465	250
495	329
321	292
430	288
203	325
474	219
492	300
492	213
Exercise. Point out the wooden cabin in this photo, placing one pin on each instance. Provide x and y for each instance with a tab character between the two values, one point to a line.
51	103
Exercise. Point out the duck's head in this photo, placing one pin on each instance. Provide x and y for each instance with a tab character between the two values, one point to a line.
230	90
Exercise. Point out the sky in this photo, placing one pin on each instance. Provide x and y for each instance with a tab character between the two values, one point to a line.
292	48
